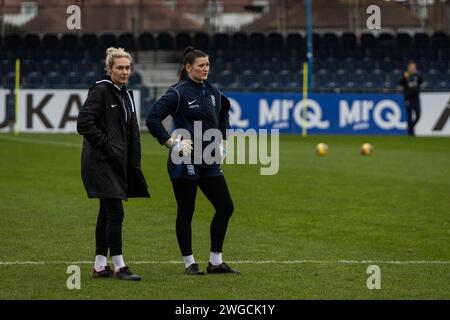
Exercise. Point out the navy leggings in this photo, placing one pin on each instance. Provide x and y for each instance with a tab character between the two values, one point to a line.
216	190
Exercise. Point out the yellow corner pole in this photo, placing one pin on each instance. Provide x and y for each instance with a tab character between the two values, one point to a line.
305	98
16	98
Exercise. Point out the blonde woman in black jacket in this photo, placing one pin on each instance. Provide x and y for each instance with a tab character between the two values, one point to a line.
111	159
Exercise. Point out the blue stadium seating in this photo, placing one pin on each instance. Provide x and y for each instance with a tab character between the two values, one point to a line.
253	60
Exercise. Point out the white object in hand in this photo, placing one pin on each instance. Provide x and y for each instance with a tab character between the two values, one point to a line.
182	146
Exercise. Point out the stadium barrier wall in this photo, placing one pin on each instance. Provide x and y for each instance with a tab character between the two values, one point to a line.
49	110
379	114
435	115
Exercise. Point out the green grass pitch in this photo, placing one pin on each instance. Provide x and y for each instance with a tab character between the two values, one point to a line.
309	232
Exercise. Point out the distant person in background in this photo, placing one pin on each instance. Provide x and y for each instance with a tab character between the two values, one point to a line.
111	159
411	82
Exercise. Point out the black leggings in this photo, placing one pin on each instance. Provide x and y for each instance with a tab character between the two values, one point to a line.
216	190
108	232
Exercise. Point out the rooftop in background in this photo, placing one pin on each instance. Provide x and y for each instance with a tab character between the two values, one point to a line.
137	16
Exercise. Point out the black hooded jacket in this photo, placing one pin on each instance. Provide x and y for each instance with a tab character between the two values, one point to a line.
111	156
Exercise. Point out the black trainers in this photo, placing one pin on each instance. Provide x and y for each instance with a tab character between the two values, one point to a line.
125	273
106	273
221	268
193	270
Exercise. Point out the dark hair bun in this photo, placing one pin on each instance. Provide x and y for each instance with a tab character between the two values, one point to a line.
188	49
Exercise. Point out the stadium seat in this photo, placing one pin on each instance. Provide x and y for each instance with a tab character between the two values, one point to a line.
66	66
135	79
69	42
376	78
221	41
89	41
239	41
12	42
73	80
34	80
127	41
31	41
347	64
330	43
257	41
295	41
275	42
386	64
359	77
54	80
182	40
201	41
267	79
285	79
321	78
28	66
386	40
165	41
227	79
348	42
249	80
108	40
331	63
440	40
433	78
368	64
90	78
295	64
8	79
421	40
213	78
50	42
403	41
341	78
369	44
146	41
237	66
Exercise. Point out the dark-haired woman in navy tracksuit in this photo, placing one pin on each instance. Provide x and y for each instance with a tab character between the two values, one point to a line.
194	99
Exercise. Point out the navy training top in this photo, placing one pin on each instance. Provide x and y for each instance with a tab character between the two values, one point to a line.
188	101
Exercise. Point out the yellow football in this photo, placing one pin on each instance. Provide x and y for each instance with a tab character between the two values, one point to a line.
366	149
321	149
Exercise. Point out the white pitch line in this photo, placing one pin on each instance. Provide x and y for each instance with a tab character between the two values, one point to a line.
418	262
